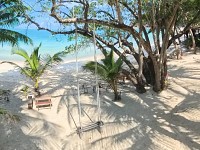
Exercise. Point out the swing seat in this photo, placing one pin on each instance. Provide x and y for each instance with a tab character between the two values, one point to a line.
96	125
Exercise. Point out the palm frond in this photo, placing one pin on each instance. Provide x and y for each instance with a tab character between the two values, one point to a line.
8	19
90	66
9	14
15	7
22	70
108	70
117	66
101	69
12	63
35	57
13	37
7	38
9	22
23	54
48	61
109	60
28	72
10	11
105	53
58	57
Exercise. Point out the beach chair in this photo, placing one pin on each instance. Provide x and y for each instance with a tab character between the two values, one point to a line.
43	102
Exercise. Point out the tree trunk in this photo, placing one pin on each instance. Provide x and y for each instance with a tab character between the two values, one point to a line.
164	76
140	45
140	85
193	41
36	87
148	71
160	75
117	96
118	11
157	71
137	82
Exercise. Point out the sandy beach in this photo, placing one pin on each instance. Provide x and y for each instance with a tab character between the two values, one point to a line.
169	120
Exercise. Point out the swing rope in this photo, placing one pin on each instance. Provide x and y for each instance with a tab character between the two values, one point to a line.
77	77
96	77
98	123
77	71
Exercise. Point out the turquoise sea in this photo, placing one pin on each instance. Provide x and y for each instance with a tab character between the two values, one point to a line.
50	45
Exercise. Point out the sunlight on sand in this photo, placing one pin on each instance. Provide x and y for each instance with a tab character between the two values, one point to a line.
166	121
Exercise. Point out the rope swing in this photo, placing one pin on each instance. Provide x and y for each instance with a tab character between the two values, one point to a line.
99	123
77	77
94	125
96	77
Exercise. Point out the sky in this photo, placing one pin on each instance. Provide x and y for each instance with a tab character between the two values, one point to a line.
41	18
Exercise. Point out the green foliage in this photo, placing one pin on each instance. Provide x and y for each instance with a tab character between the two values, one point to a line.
8	115
83	44
2	111
189	9
108	69
35	65
161	16
188	41
25	90
10	11
111	2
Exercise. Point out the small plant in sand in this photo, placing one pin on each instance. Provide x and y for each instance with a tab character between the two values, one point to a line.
108	70
35	65
7	115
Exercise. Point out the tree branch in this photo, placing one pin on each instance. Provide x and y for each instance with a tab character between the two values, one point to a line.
187	27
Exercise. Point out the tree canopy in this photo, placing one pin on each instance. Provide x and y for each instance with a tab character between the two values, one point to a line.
142	29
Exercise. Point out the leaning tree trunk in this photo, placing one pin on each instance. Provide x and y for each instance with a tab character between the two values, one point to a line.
140	69
193	41
136	81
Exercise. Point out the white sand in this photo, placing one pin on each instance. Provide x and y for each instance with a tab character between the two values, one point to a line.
166	121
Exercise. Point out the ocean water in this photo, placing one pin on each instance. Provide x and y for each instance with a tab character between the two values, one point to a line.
50	45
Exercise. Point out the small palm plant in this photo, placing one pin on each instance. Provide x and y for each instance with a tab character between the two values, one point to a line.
35	65
108	70
8	115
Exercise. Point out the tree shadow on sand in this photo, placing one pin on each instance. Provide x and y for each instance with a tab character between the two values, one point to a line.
144	121
11	133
